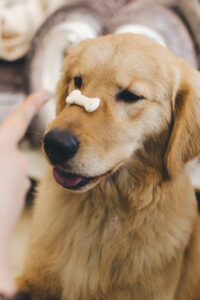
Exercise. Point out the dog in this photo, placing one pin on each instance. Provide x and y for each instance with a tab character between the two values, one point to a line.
116	217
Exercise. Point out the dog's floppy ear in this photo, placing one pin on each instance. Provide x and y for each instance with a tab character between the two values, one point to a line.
184	142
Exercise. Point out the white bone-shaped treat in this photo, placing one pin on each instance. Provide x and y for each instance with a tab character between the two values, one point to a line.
89	104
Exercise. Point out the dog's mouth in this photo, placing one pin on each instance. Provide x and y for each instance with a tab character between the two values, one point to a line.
72	181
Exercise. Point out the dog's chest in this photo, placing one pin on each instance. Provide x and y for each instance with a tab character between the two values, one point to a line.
103	255
94	249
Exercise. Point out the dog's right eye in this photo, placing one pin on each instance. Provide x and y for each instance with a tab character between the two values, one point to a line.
78	82
128	97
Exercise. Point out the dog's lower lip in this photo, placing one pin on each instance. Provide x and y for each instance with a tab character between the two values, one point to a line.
69	180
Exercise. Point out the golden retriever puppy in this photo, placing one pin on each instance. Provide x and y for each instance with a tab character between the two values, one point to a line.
116	217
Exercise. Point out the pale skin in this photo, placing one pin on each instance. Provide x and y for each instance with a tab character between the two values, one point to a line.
14	181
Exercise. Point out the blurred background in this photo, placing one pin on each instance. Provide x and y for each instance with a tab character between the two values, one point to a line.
35	36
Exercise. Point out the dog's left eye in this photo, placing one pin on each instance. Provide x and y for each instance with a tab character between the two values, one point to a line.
128	97
78	82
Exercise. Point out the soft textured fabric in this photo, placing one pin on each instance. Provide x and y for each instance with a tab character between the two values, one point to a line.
19	20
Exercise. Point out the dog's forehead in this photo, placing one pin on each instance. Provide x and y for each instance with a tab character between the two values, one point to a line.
126	53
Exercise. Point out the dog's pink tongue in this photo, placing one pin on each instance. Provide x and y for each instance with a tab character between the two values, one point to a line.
67	180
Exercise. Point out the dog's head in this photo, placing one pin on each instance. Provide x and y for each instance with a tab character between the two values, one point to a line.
149	103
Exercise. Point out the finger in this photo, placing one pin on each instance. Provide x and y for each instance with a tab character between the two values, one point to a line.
16	124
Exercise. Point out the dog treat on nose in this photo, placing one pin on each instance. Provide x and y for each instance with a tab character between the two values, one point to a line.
90	104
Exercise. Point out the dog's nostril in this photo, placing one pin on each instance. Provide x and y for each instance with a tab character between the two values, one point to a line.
60	146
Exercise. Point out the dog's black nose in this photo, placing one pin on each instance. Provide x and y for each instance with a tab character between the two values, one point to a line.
60	146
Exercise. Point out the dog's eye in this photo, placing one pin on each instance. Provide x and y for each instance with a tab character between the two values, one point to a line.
78	82
128	97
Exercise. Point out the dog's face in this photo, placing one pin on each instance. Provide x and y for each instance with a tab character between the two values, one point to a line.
137	82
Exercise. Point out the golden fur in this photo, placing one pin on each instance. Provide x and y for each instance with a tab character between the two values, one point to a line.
135	234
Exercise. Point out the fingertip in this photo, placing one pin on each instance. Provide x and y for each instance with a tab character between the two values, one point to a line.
41	96
45	96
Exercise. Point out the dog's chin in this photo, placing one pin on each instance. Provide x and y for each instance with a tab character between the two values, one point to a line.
74	182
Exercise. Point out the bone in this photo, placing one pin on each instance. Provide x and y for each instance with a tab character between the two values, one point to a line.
89	104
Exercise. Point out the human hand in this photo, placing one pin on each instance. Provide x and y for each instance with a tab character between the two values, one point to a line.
14	182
